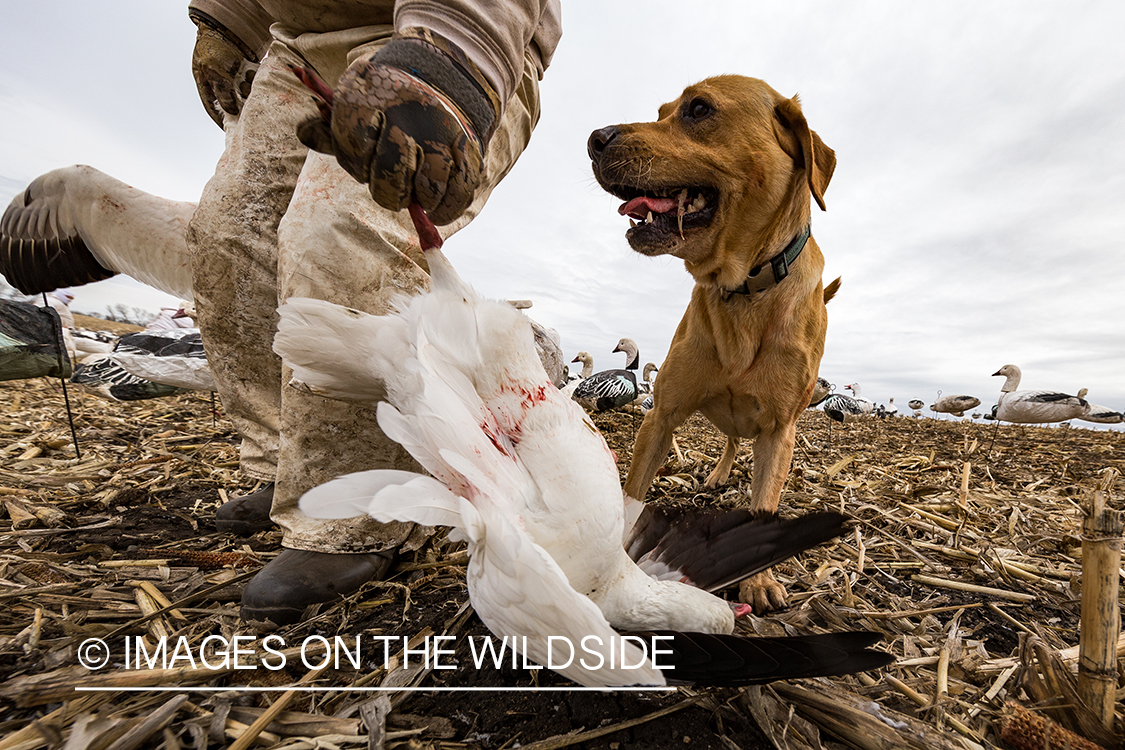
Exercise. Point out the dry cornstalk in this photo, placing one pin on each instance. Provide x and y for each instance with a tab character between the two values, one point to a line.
275	709
862	722
973	588
151	724
963	498
1101	616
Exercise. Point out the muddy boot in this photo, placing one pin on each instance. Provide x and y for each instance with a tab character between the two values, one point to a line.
248	514
297	578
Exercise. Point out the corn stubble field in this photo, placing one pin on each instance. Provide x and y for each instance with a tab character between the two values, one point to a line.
966	553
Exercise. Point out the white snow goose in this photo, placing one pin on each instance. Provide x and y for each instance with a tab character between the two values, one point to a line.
76	225
1035	407
842	408
525	478
955	405
866	405
611	389
1100	414
915	403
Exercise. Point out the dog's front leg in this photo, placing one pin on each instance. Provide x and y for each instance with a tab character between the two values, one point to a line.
654	439
721	472
773	453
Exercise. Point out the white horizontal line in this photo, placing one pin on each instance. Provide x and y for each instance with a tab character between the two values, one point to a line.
313	689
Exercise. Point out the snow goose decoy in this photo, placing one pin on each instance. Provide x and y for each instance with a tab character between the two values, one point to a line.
524	477
1100	414
866	406
76	225
915	403
1035	407
611	389
88	342
890	410
955	405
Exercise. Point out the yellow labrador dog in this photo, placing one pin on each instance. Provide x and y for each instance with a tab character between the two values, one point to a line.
723	180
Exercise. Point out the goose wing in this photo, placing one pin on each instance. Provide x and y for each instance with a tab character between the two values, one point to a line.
1040	407
77	225
842	408
714	549
173	358
607	389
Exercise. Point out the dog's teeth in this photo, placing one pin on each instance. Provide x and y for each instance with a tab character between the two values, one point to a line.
648	219
632	223
680	211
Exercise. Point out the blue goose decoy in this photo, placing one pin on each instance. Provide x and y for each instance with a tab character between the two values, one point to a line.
842	408
611	389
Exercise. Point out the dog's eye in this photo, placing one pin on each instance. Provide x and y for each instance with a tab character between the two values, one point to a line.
697	109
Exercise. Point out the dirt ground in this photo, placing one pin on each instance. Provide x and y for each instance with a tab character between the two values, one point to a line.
83	536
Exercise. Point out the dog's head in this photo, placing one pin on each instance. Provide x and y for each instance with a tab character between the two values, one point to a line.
730	161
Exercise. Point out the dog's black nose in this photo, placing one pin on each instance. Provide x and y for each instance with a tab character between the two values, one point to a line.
599	139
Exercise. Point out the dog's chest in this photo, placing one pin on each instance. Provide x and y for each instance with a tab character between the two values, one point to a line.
740	414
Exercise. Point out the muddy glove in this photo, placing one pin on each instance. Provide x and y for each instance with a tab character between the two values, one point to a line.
223	72
412	124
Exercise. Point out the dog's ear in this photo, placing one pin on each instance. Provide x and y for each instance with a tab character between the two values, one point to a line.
804	147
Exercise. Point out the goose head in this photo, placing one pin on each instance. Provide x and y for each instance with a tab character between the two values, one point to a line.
1013	374
650	368
632	355
587	363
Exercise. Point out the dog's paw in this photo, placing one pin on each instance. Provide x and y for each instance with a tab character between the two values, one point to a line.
762	592
716	477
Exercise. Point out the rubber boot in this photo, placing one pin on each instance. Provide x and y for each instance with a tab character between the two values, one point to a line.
247	514
297	578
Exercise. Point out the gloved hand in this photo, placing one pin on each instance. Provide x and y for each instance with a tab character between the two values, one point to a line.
223	74
411	124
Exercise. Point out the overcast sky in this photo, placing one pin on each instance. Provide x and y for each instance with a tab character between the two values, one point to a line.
976	213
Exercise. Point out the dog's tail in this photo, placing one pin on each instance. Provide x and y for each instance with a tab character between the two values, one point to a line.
831	289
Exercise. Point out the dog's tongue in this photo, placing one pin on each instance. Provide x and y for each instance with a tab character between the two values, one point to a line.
639	208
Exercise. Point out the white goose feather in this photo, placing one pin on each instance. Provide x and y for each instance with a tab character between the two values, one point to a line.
474	406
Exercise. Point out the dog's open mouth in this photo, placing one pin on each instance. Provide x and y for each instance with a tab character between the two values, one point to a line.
654	214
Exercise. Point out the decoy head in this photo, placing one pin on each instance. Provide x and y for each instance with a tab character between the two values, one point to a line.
632	354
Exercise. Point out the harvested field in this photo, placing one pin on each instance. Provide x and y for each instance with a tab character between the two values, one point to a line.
966	554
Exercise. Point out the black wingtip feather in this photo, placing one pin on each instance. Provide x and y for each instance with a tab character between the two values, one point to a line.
733	660
715	549
33	262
